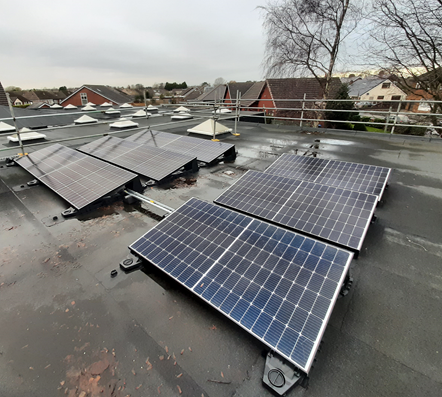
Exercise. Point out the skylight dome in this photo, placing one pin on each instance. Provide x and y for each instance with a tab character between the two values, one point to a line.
123	123
70	106
85	120
207	128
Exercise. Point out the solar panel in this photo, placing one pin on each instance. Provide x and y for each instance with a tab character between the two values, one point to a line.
338	215
364	178
78	178
278	285
204	150
151	162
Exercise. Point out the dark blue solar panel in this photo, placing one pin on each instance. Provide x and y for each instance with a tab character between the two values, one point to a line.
338	215
352	176
276	284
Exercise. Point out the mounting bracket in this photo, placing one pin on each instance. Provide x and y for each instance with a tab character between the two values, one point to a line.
280	375
10	162
34	182
69	212
346	286
131	262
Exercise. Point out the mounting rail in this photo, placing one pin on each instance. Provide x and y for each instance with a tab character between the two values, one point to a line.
150	201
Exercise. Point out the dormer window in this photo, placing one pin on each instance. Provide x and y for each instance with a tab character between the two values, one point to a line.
386	85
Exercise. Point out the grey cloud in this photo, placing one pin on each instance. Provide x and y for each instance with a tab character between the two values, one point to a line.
109	42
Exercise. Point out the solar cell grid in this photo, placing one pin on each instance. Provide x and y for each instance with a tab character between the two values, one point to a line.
353	176
76	177
204	150
152	162
338	215
278	285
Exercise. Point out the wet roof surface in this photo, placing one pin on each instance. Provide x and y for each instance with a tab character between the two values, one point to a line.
67	325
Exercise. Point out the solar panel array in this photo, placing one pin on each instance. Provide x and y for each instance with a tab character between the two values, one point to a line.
78	178
278	285
154	163
353	176
338	215
204	150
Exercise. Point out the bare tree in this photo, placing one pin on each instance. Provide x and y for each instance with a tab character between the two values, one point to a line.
219	81
304	37
407	36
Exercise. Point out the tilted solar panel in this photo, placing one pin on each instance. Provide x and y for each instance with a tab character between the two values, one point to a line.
204	150
338	215
276	284
78	178
364	178
151	162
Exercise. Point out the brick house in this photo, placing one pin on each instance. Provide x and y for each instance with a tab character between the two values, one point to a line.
96	94
19	100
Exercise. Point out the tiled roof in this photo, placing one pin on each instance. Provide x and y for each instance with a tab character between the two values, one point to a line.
193	95
360	87
252	93
241	87
3	99
14	96
295	88
110	93
217	93
44	95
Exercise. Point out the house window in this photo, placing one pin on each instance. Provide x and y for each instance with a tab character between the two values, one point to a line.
83	97
380	97
396	98
386	85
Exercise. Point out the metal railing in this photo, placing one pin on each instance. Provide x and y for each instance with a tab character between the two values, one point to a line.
275	112
309	113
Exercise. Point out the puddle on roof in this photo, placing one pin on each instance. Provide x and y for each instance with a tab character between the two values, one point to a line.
281	143
339	142
265	155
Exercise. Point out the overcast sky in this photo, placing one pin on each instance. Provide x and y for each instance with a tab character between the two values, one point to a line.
56	43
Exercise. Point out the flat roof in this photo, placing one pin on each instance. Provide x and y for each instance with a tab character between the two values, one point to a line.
66	322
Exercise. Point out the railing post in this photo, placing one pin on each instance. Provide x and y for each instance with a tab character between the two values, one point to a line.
302	111
387	119
236	110
397	116
15	125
